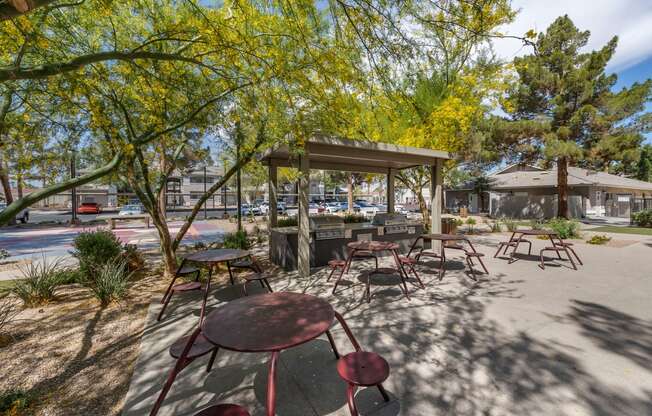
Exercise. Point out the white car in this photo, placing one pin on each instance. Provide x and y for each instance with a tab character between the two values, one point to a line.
367	209
134	209
22	216
332	207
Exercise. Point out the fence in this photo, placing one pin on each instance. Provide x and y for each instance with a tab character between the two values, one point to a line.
639	204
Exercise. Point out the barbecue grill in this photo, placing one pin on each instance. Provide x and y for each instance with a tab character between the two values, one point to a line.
327	227
393	223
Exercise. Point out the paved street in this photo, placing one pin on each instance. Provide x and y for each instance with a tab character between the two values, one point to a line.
63	216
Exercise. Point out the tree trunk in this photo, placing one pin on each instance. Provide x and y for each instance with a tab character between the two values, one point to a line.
562	187
424	209
6	187
19	186
349	192
167	251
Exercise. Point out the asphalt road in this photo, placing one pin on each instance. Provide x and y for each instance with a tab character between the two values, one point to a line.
40	216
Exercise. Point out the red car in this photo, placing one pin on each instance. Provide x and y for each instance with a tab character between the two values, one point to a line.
89	208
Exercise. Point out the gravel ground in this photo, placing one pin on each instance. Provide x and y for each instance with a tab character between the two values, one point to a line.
73	357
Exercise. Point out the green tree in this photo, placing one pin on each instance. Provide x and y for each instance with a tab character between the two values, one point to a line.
568	94
644	166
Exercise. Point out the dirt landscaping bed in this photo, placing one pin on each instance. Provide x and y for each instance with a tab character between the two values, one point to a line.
73	357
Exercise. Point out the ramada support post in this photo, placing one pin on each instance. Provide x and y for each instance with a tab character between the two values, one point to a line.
390	190
436	190
304	221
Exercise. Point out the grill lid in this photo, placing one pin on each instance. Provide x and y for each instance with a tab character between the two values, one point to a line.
325	222
389	218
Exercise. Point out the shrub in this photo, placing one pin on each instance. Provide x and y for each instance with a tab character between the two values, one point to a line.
536	224
643	218
565	228
111	281
354	218
39	282
133	257
510	224
199	245
287	222
495	227
471	222
4	254
13	402
599	239
236	240
94	249
8	312
459	222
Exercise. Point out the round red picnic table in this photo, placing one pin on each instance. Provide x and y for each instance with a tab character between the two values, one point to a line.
375	246
272	322
210	259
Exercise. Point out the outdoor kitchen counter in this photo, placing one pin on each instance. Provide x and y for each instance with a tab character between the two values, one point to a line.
284	240
351	226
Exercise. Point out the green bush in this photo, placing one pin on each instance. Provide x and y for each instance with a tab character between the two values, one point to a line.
94	249
565	228
133	257
510	224
13	402
287	222
643	218
599	239
536	225
354	218
471	223
40	280
495	227
4	254
111	281
236	240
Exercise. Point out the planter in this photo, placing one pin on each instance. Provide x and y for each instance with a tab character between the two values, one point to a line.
448	225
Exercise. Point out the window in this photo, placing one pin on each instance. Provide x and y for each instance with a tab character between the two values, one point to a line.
196	195
200	179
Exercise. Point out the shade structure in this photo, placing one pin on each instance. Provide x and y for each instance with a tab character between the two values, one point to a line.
334	153
339	154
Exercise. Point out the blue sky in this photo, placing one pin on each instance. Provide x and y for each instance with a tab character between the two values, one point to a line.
630	20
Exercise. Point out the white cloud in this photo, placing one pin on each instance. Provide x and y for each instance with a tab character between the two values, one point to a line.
631	20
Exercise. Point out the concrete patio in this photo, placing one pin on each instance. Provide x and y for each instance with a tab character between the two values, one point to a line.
522	341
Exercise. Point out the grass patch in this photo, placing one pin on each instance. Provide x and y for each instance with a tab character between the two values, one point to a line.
622	230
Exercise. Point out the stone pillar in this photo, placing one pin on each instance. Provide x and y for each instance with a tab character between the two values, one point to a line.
304	221
272	183
390	190
436	190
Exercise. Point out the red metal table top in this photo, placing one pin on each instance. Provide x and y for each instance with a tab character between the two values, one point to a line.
218	255
536	232
444	237
268	322
373	245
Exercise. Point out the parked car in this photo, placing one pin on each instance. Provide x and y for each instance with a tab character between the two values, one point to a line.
366	208
89	208
249	209
401	209
344	206
332	207
134	209
23	215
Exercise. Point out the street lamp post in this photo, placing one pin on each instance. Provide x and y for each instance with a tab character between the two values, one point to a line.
205	213
73	174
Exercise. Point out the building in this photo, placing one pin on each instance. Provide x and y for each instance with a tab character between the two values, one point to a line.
524	191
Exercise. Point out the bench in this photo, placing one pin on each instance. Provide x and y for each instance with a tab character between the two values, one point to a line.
112	219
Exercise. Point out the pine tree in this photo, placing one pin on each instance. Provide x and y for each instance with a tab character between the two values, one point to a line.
644	167
568	93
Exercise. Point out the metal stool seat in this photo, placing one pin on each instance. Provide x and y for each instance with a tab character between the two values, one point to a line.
200	347
362	255
334	265
362	368
188	270
184	287
407	260
474	255
256	277
558	248
224	410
